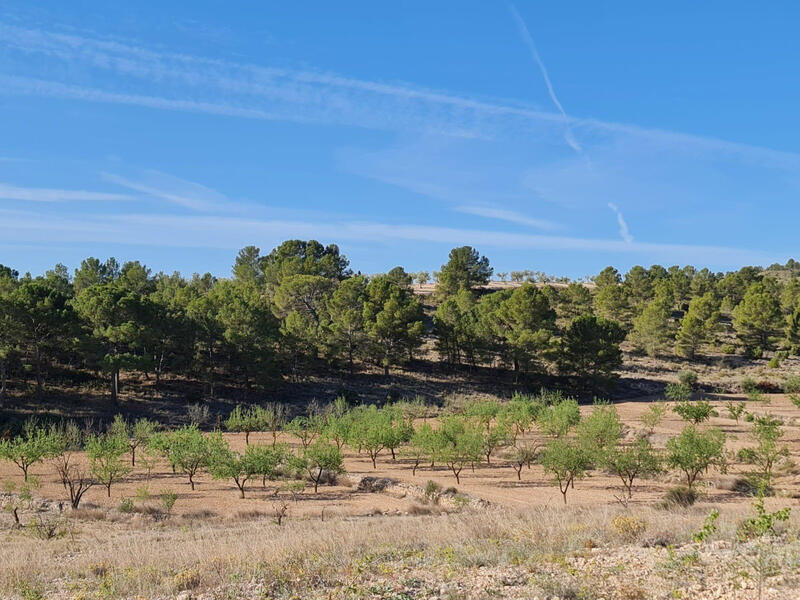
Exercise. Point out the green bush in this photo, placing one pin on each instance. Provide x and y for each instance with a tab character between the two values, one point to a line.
735	410
695	412
678	392
688	379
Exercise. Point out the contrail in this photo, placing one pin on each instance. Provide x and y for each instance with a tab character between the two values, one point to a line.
624	232
526	37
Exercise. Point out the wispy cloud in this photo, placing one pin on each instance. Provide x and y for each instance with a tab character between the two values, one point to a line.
173	189
527	38
624	232
501	214
29	194
632	162
234	232
220	87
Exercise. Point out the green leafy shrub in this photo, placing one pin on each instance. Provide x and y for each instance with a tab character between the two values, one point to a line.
763	522
168	499
678	392
708	529
653	416
695	412
688	379
735	410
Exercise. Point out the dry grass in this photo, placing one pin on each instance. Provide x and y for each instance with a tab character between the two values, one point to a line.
203	555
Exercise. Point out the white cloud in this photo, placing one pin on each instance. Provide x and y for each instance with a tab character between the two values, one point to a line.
28	194
220	87
235	232
173	189
501	214
633	164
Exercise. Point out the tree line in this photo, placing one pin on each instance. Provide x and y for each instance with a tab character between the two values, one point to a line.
300	308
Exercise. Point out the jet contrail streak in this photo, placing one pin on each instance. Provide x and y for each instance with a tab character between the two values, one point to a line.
528	39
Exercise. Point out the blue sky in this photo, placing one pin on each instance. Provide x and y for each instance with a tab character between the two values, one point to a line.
552	136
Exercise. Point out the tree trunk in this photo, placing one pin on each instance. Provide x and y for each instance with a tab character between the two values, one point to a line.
350	358
3	378
317	479
159	367
38	374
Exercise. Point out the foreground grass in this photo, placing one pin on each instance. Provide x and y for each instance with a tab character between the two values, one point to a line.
375	557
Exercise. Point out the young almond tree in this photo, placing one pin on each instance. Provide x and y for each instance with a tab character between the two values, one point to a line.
306	429
559	418
631	462
320	458
246	420
523	455
224	463
33	446
566	461
76	479
338	428
274	415
495	436
600	431
769	451
371	431
189	451
138	433
459	442
106	454
401	428
421	446
518	415
268	461
694	451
